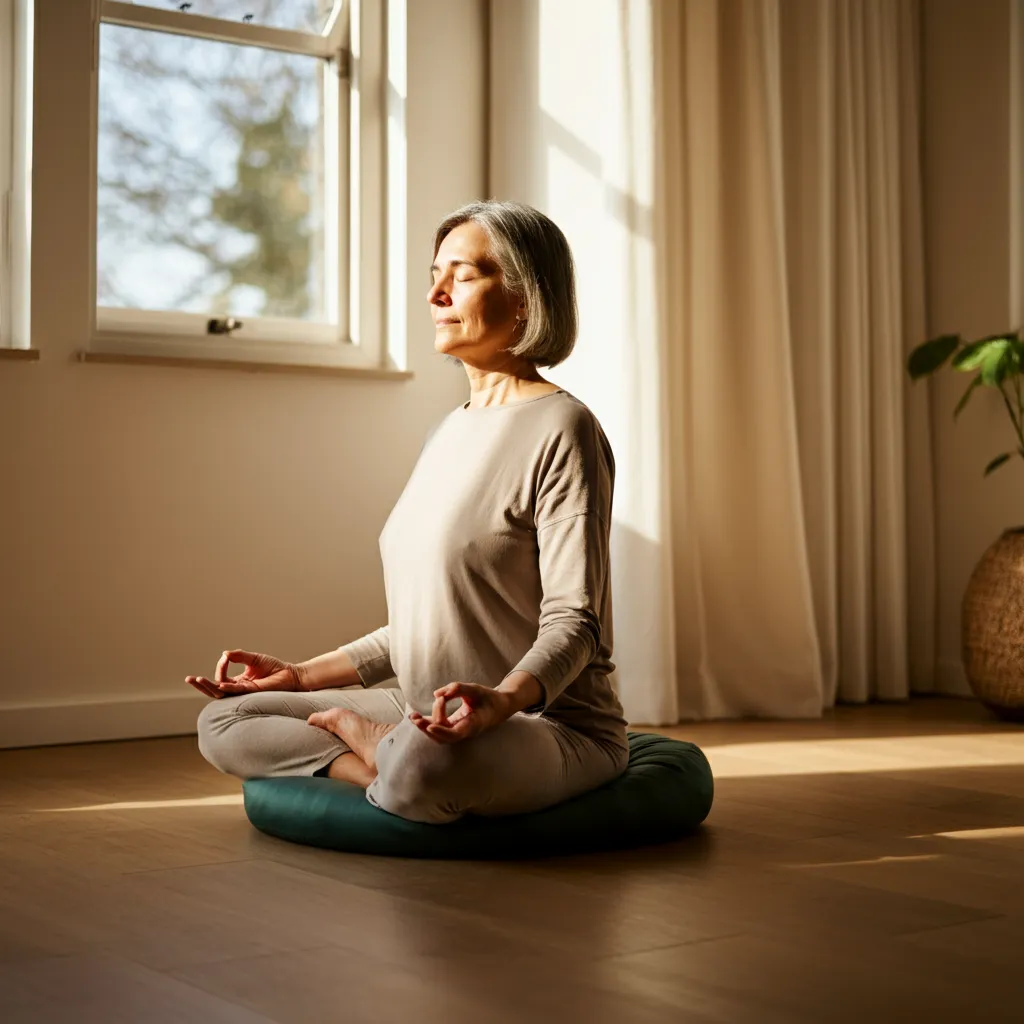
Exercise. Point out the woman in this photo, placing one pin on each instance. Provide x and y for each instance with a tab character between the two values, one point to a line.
496	572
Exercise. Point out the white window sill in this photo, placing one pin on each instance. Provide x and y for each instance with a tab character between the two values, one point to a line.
251	365
21	355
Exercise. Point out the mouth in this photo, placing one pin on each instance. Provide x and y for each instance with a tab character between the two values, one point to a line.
445	321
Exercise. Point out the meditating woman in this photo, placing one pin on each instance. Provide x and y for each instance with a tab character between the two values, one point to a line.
496	570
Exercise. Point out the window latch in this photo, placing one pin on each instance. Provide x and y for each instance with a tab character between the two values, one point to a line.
223	326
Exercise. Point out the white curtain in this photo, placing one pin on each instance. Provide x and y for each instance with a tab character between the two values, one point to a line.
739	181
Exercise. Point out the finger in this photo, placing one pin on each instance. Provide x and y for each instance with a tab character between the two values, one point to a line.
190	680
463	711
438	716
238	657
247	684
448	691
221	672
201	686
439	733
449	733
216	689
468	693
236	686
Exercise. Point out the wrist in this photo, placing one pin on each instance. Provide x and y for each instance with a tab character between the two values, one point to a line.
300	674
519	691
326	671
507	705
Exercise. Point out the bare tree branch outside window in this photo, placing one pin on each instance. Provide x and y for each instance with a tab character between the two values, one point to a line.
211	169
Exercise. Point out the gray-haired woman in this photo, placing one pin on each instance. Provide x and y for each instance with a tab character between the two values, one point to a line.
496	569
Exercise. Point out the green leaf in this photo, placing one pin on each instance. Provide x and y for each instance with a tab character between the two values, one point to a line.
966	396
971	357
996	463
996	362
930	355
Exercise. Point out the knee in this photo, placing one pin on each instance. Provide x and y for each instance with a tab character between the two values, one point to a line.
420	779
215	741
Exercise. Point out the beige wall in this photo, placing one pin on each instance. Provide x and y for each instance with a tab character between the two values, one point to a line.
967	189
150	517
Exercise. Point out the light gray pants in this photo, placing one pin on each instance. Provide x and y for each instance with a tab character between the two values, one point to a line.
525	764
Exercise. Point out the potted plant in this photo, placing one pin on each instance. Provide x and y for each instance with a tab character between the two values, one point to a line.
992	618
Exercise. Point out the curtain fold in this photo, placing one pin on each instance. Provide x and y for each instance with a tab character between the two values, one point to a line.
791	190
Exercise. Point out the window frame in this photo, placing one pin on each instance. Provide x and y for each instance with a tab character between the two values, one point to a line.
354	41
16	18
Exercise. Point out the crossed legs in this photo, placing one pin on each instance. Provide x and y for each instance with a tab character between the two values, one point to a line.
362	736
273	733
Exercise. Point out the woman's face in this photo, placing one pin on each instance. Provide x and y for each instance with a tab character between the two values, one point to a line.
474	318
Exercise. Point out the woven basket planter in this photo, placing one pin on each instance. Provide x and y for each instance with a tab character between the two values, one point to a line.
993	627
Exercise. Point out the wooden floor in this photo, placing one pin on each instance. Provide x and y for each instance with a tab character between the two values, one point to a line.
868	868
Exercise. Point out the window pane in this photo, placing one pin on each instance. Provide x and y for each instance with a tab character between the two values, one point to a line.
210	177
304	15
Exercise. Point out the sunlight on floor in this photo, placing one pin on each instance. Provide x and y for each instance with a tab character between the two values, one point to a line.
228	800
1008	832
870	860
883	754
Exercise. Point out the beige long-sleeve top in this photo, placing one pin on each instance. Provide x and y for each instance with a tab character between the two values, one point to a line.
496	559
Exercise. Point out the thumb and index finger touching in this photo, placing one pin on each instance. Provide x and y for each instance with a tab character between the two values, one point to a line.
246	658
222	684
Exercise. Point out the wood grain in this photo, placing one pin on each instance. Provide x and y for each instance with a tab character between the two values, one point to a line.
862	867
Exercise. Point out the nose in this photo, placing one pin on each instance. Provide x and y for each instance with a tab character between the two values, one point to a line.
437	296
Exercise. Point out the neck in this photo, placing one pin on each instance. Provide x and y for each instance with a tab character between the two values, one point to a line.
496	387
482	381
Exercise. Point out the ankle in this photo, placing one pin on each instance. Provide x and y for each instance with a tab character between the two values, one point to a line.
349	767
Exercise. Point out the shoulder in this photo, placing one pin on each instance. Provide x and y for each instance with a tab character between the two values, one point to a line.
571	431
571	421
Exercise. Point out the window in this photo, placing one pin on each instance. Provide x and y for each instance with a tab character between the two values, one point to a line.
15	128
238	161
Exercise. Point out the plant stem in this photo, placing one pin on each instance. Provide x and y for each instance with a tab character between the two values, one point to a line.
1015	417
1020	403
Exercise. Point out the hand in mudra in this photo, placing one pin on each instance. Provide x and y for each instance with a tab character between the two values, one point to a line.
262	672
482	708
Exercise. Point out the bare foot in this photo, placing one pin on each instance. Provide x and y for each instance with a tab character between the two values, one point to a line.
361	735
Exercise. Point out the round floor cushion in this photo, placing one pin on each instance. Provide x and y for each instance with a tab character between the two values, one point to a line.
664	794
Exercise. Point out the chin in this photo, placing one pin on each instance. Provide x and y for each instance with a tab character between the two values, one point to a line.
445	344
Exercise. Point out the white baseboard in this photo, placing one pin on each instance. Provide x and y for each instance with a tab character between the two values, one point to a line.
112	718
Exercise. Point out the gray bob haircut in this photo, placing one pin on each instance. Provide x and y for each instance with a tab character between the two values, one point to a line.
537	267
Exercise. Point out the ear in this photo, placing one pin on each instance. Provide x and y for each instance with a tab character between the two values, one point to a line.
521	311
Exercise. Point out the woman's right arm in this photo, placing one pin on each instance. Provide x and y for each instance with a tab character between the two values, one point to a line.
362	662
327	671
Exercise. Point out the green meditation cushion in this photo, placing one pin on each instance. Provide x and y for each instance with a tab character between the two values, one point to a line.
664	793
